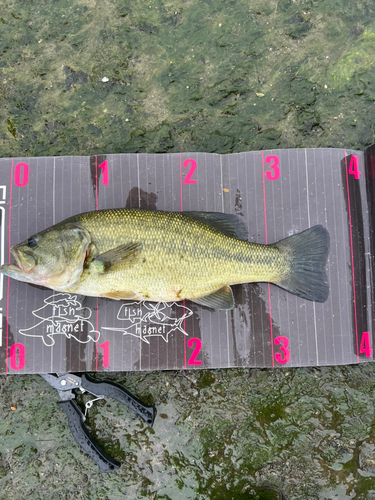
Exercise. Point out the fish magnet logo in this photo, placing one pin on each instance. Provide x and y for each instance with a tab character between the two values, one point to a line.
62	314
159	320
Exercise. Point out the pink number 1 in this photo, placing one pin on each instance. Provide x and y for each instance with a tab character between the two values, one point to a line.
104	166
105	347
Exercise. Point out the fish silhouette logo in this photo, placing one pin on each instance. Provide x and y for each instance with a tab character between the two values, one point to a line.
62	314
160	320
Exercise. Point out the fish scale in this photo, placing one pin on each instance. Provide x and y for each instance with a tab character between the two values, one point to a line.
185	258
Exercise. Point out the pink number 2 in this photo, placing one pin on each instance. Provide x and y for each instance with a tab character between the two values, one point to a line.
188	179
198	346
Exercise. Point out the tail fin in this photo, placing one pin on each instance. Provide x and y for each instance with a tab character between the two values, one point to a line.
307	255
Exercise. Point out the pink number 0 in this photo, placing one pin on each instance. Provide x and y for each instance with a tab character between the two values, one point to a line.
275	174
17	356
198	347
188	179
21	174
285	356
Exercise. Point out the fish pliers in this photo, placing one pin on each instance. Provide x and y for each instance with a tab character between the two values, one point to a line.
65	383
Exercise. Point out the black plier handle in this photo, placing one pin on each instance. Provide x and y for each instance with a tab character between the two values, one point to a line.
66	383
84	438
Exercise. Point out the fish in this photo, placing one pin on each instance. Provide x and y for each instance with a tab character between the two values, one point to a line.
157	256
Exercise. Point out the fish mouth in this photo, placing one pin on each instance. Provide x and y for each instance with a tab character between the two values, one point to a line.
11	270
22	269
17	258
24	263
18	265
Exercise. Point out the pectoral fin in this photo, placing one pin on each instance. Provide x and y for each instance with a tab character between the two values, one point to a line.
121	257
221	299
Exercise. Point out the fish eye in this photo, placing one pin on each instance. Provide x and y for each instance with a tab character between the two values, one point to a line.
31	242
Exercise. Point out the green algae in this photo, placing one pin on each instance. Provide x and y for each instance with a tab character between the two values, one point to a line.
184	76
292	434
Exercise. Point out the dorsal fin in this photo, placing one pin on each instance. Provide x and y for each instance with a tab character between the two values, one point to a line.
229	224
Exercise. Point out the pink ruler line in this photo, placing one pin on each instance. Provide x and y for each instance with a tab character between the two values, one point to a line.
96	183
97	300
351	250
269	287
184	299
180	182
10	213
97	338
7	331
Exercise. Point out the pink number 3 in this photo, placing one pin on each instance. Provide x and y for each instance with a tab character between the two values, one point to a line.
283	356
274	161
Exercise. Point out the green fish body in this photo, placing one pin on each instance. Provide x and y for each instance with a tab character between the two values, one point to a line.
169	256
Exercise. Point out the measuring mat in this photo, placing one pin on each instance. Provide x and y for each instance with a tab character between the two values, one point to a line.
276	193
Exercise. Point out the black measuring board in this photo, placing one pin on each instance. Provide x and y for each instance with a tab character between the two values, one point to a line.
277	193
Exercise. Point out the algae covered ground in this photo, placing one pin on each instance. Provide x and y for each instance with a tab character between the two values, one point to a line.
88	77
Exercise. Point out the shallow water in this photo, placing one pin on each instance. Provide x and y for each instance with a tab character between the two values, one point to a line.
215	76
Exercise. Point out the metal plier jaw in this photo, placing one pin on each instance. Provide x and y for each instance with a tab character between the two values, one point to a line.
66	383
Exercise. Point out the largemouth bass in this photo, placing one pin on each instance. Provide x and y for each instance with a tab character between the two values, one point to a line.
167	256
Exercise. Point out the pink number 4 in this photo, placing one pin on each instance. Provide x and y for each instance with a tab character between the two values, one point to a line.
365	347
354	168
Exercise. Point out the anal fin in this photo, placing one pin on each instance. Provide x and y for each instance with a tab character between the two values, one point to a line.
221	299
121	295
